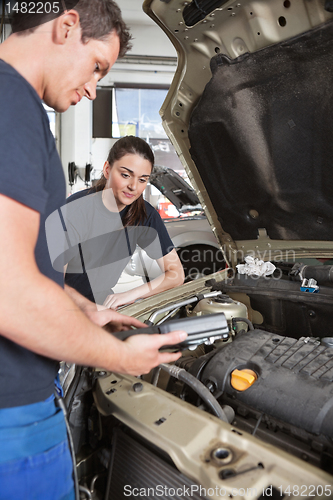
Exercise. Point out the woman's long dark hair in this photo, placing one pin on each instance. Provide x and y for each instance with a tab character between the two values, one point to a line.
129	144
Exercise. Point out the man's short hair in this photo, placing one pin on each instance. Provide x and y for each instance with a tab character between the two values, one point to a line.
98	18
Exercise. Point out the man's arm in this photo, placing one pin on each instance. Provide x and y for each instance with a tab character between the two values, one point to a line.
37	314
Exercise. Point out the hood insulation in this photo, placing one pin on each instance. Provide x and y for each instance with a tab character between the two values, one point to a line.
261	138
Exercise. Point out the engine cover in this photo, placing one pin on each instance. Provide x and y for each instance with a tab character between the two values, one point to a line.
294	378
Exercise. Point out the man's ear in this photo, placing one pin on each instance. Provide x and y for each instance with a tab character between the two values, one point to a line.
66	25
106	170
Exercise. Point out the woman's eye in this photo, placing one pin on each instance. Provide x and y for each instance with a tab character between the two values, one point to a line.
143	180
96	68
125	176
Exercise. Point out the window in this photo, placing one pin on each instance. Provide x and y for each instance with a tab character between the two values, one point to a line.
129	110
135	111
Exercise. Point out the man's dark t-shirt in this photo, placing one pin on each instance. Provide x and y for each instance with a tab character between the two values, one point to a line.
30	173
102	247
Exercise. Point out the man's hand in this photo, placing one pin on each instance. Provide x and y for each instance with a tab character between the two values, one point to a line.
116	322
141	352
101	315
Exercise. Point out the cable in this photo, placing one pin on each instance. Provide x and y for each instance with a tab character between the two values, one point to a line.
155	375
198	387
61	404
257	424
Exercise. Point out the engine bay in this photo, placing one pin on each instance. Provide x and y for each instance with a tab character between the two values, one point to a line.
266	375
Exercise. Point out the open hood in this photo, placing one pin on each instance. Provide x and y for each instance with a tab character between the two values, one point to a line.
250	113
175	188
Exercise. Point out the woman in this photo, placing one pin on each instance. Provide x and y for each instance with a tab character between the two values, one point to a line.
108	221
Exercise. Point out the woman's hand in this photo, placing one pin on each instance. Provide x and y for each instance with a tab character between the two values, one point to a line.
173	275
119	299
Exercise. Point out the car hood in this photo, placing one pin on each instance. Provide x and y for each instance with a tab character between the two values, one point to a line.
175	188
250	114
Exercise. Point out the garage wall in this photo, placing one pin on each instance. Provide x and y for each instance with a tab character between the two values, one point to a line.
76	142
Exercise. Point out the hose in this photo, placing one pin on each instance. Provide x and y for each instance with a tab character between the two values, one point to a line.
244	320
198	387
86	492
322	274
177	305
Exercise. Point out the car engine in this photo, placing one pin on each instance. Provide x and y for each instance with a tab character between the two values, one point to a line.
278	376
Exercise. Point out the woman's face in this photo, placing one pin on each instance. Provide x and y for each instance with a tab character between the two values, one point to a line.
128	178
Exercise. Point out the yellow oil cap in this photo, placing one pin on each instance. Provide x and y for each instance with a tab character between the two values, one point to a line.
243	379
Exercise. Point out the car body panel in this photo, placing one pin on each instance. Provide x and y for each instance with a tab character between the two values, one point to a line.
190	231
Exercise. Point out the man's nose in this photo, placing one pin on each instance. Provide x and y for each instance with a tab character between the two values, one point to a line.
90	90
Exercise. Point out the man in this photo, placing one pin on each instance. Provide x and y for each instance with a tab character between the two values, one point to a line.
60	61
